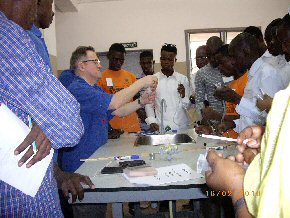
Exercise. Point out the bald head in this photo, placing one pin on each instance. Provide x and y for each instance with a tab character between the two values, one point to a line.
212	46
201	50
22	12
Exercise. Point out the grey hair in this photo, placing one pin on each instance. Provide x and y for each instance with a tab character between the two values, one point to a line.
79	53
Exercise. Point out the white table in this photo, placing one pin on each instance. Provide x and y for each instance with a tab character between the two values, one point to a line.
115	189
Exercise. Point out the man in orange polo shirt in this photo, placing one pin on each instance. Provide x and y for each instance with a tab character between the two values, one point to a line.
115	79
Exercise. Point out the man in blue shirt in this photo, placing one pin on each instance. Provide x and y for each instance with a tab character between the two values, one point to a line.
98	107
43	20
28	87
67	182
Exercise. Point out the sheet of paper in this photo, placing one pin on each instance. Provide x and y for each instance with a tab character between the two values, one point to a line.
169	174
12	132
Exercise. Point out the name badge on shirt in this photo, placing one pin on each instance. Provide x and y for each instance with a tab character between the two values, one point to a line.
109	82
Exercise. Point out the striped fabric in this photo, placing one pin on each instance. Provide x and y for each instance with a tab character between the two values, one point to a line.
206	81
28	87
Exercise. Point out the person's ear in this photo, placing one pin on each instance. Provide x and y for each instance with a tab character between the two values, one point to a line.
153	62
175	59
81	66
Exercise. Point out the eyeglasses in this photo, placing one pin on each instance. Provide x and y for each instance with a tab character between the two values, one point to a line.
201	58
96	61
169	45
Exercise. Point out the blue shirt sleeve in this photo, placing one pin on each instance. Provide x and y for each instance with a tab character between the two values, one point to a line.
26	83
109	114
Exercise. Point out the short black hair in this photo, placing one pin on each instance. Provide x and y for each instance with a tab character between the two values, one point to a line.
245	39
223	50
169	48
271	28
118	47
254	31
286	21
146	54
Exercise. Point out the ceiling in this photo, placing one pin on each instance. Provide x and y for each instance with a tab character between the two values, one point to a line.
89	1
71	5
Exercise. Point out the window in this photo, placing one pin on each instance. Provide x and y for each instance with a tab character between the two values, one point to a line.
198	37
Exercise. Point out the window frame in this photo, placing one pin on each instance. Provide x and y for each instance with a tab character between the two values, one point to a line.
223	36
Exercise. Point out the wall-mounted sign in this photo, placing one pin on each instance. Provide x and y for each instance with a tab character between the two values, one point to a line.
130	44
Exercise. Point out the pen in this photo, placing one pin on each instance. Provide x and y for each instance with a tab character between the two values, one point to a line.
261	96
33	143
132	157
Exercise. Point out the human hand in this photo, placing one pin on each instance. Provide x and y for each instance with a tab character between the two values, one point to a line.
148	98
253	134
208	113
71	183
227	94
149	81
265	103
225	126
204	129
248	150
154	127
247	156
141	114
225	175
181	90
115	133
43	146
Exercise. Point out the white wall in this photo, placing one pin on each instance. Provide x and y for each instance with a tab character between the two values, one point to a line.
154	22
50	38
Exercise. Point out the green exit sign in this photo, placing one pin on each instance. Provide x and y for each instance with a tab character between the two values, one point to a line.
130	44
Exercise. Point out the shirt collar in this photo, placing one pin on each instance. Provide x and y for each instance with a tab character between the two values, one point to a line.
173	75
36	31
255	66
3	16
267	54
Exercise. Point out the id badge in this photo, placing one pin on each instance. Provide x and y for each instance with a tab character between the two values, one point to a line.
109	82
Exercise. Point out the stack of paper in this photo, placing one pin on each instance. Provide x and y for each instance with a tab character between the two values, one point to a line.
12	132
169	174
